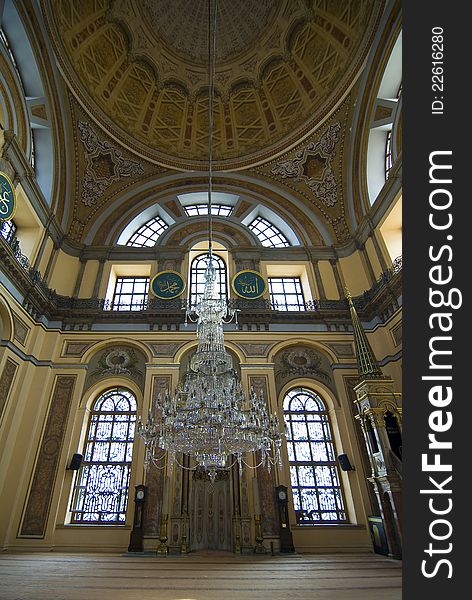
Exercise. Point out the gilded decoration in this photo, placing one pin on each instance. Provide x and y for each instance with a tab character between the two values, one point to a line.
282	66
104	164
312	165
102	173
313	172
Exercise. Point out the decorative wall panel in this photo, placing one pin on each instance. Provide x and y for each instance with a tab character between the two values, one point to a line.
39	500
154	475
266	480
6	381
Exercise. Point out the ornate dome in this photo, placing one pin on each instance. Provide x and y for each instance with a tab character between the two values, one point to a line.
141	69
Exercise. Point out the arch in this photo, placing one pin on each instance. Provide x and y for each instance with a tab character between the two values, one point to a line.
28	62
102	344
152	194
7	327
300	340
102	484
359	202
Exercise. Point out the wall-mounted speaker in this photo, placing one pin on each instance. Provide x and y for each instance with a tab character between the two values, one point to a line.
75	462
345	463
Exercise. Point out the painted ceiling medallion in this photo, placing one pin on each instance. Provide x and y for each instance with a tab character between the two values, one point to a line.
139	69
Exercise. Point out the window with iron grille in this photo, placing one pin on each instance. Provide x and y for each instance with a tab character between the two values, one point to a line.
148	233
7	230
314	474
197	276
221	210
101	488
131	293
268	234
286	293
388	154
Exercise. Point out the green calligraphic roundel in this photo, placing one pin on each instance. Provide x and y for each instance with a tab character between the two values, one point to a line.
7	198
249	284
167	285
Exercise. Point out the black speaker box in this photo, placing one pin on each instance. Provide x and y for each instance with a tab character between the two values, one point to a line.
345	463
75	462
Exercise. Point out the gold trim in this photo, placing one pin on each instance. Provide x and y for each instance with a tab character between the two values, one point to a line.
14	198
164	297
249	271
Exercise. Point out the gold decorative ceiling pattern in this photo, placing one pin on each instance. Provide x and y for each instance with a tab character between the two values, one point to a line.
140	69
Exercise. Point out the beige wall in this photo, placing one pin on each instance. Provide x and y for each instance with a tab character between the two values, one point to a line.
354	274
64	274
26	408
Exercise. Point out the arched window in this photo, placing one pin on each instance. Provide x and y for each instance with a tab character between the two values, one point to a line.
316	486
101	490
197	276
148	234
268	234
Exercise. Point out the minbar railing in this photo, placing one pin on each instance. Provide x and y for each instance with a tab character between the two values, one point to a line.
39	300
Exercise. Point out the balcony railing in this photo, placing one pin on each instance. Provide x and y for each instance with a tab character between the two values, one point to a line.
40	300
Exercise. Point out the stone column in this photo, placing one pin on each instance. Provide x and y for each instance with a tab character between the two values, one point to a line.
337	276
80	276
319	280
98	279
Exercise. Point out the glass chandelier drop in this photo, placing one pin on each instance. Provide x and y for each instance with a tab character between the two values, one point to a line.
209	417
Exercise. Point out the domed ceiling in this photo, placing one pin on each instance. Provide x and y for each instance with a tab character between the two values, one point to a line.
140	69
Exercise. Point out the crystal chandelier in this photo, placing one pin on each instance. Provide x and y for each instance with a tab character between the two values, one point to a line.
209	417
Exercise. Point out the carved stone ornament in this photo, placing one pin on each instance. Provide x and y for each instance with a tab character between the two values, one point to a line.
300	362
105	164
119	360
312	165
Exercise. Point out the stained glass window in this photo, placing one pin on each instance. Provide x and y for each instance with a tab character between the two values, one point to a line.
101	490
286	293
131	293
148	233
7	230
268	234
197	276
316	486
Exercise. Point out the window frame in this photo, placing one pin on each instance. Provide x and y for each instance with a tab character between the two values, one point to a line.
219	210
300	304
268	240
295	465
146	231
121	498
221	277
138	306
